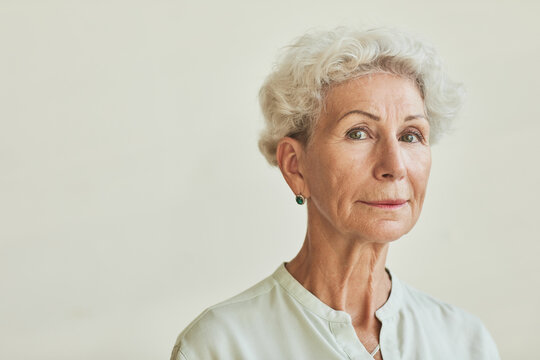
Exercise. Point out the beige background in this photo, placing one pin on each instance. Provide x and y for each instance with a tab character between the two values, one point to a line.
132	193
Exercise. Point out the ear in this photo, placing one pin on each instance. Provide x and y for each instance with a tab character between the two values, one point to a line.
290	154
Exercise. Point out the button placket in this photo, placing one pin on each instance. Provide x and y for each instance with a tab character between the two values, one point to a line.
348	341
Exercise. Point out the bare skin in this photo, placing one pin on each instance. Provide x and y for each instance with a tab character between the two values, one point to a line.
352	159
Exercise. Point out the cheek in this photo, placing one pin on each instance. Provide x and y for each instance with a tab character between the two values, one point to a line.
419	169
323	175
332	172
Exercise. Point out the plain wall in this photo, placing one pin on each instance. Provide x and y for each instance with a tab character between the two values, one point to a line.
133	195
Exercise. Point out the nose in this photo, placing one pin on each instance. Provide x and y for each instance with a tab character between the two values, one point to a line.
389	164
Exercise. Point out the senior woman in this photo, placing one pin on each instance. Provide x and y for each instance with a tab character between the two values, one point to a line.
350	118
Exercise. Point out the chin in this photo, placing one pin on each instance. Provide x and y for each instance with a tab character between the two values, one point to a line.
388	238
384	233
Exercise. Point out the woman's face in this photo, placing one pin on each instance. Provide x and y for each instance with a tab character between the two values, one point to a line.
370	145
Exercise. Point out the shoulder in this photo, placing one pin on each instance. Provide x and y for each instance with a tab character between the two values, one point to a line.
420	303
447	322
226	313
219	326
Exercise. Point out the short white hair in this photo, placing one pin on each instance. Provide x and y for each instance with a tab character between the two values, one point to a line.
292	96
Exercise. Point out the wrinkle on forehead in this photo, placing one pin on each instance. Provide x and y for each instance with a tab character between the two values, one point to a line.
336	104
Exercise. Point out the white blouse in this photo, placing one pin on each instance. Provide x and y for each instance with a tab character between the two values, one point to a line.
278	318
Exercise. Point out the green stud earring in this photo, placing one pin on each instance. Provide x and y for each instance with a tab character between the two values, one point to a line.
300	199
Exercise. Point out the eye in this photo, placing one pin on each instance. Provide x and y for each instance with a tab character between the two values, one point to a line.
412	137
357	134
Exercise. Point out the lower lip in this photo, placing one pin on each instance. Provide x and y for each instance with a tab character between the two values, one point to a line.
386	206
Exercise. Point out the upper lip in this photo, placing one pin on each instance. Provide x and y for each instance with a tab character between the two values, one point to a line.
387	202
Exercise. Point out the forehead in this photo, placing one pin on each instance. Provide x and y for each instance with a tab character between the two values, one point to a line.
379	92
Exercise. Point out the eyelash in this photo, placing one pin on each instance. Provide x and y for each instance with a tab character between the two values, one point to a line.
410	131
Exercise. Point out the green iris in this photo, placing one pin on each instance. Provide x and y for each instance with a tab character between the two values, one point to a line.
409	138
357	134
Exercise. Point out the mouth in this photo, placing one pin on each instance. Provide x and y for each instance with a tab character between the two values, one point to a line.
387	204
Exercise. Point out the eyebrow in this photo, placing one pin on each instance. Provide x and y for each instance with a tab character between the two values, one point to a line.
376	118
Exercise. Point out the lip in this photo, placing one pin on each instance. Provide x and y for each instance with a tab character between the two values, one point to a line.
387	204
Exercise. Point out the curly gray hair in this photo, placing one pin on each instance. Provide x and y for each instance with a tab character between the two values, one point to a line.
292	96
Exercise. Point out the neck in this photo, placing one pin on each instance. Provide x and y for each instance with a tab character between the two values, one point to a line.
346	274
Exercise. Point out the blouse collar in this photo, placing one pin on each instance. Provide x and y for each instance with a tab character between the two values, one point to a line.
315	305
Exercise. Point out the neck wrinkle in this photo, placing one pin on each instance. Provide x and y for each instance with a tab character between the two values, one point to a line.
345	274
